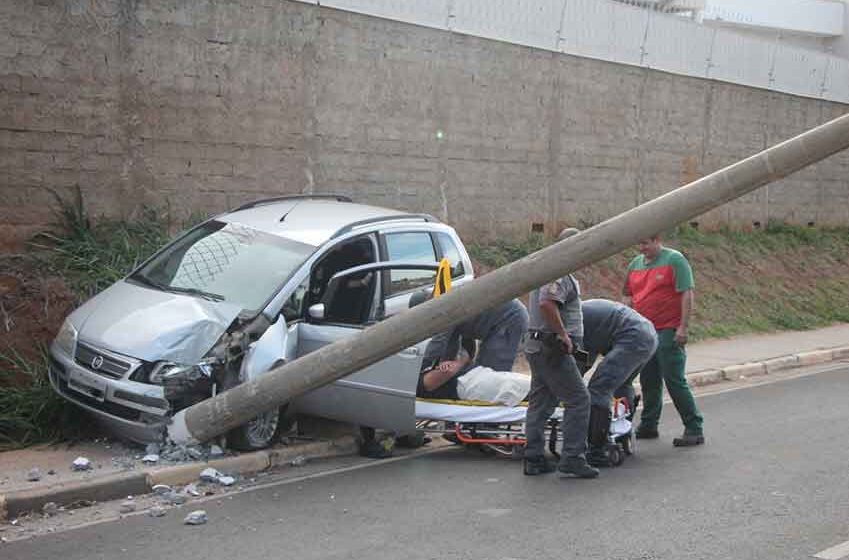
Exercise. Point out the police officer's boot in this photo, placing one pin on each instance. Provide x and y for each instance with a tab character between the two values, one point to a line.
598	436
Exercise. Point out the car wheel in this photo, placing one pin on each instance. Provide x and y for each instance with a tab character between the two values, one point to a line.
259	433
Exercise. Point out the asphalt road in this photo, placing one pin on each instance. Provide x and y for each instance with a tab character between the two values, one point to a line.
772	483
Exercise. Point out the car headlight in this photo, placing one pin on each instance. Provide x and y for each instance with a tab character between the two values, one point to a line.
163	372
66	339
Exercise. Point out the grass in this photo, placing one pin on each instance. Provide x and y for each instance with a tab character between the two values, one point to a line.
780	277
89	256
30	411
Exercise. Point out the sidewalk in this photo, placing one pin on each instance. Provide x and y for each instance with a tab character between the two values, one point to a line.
118	471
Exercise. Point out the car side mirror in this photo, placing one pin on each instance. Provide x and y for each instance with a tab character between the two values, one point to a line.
317	311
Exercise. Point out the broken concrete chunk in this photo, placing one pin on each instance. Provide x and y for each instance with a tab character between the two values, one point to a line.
34	474
197	517
81	464
161	489
157	511
191	490
127	507
194	453
151	458
210	475
226	480
298	461
215	451
50	509
175	498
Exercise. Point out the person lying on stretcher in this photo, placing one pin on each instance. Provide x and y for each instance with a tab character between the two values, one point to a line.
461	379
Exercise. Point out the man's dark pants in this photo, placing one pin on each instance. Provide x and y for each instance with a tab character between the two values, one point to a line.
553	381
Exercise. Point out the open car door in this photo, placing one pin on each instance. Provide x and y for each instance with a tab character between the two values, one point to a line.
382	395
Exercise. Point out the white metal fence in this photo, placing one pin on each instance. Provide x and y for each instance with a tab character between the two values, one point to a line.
617	32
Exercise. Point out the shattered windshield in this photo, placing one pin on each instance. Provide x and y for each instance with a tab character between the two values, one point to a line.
225	262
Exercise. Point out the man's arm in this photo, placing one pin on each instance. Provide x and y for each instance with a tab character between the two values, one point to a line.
551	315
441	374
687	303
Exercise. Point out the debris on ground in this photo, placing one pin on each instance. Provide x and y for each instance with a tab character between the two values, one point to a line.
298	461
197	517
226	480
128	506
81	464
175	498
191	490
51	472
34	474
50	509
161	489
157	511
152	449
151	458
215	451
210	475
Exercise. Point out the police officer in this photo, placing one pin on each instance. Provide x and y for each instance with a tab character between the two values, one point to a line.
556	329
627	340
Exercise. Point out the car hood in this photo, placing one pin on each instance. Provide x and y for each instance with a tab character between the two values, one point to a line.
152	325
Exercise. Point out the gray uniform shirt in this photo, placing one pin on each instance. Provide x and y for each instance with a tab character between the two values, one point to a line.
566	292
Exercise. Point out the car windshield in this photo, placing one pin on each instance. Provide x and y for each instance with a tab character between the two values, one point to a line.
222	261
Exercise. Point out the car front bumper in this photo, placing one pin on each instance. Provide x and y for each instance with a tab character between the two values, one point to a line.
135	411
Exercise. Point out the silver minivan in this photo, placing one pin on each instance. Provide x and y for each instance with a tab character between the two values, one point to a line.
244	292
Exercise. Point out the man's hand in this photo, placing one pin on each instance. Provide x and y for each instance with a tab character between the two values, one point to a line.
566	342
681	335
451	367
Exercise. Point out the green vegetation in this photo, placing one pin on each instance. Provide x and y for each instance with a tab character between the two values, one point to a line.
30	411
781	277
89	257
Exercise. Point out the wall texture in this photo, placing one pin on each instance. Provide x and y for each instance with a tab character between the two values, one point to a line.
201	105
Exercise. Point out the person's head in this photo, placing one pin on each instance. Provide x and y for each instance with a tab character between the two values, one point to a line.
568	232
651	246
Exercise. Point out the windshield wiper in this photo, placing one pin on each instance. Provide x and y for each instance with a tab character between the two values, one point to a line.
177	289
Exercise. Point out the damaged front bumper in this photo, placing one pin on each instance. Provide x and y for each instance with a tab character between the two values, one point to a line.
133	410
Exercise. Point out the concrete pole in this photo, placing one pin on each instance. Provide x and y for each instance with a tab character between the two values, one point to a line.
216	415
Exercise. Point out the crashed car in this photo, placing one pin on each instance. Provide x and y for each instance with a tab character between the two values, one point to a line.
244	292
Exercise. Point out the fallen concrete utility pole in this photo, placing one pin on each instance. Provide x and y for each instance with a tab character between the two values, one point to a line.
232	408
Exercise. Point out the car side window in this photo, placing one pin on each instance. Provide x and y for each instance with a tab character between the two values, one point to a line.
410	247
449	251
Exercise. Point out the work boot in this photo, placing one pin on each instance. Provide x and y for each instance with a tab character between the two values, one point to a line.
575	467
689	440
645	432
533	466
598	457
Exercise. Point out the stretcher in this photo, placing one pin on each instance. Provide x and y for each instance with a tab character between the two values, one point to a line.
496	429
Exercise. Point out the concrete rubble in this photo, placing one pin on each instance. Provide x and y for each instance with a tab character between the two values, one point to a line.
34	474
127	506
81	464
157	511
197	517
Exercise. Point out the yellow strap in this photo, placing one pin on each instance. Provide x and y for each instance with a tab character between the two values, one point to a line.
442	285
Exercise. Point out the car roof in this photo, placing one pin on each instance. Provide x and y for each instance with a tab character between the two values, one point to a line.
309	220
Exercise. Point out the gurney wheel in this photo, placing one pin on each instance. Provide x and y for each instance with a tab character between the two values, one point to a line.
629	443
616	455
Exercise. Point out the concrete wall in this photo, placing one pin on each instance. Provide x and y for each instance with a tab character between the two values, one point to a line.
202	105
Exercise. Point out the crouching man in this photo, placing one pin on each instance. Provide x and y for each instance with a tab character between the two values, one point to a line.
627	340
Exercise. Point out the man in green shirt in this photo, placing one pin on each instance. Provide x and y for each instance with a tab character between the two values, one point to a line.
659	286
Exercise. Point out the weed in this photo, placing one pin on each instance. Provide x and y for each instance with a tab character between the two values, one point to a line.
30	411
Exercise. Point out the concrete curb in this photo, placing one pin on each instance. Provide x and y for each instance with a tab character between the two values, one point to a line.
766	367
110	487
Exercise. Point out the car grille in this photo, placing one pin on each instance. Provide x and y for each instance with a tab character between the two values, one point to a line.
107	365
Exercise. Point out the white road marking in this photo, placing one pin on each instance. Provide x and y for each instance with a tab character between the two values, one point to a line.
835	552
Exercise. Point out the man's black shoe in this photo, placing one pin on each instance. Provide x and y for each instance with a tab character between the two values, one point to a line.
644	432
597	457
575	467
689	440
536	465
